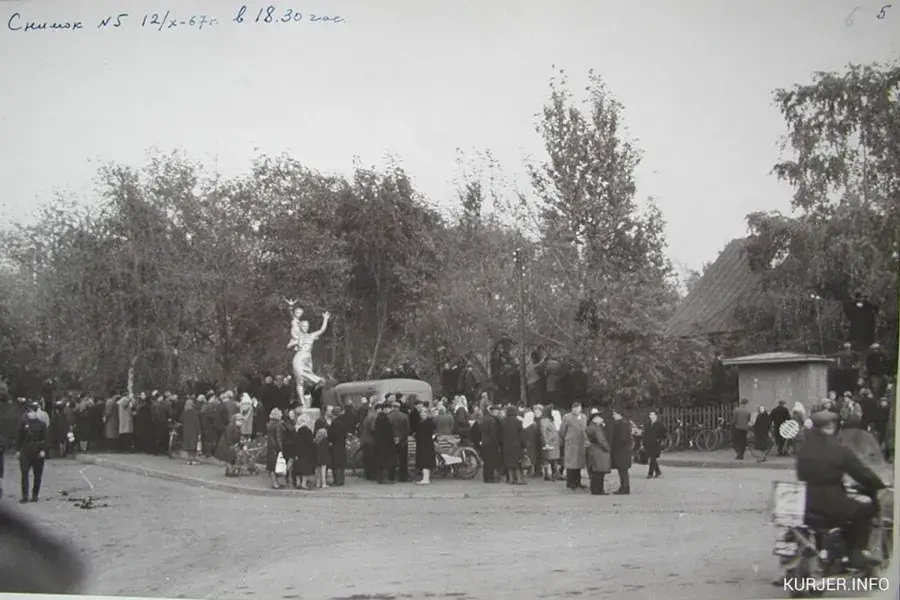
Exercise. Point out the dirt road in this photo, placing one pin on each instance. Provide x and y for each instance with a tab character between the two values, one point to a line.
693	534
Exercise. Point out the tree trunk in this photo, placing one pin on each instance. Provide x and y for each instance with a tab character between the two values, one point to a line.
131	367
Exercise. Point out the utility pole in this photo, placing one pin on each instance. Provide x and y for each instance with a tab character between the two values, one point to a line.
520	279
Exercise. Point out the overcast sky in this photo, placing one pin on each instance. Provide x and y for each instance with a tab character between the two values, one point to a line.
419	79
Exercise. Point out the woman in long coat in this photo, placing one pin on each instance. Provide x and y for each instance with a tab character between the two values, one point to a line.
111	422
385	449
598	457
426	430
274	444
531	438
761	428
513	439
305	462
573	441
190	431
230	438
290	448
549	436
337	438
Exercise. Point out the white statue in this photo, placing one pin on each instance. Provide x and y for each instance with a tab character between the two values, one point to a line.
302	342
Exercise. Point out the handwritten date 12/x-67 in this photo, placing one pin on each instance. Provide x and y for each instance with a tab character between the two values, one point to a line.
272	14
167	21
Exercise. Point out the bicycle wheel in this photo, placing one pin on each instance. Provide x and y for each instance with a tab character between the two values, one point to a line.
356	463
666	444
751	446
471	463
703	440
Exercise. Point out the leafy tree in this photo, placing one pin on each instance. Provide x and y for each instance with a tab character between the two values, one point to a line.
844	236
606	285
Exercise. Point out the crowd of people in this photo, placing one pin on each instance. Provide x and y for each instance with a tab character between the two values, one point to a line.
515	442
857	409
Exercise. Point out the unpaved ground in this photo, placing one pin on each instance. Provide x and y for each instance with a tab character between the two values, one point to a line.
693	534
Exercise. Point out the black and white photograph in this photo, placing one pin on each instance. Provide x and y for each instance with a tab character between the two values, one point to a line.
375	300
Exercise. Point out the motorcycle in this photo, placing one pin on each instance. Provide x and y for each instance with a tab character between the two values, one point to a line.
810	551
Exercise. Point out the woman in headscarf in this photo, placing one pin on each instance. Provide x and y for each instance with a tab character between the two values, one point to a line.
425	455
513	443
323	452
598	453
190	431
274	443
246	412
305	463
530	435
290	448
461	417
549	435
761	428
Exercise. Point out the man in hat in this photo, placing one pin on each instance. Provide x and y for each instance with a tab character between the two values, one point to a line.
822	463
491	433
367	440
779	415
337	437
400	423
32	445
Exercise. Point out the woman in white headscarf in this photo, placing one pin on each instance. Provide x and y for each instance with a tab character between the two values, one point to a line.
275	447
531	433
246	411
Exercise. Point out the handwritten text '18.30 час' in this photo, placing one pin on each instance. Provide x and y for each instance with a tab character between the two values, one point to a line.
161	21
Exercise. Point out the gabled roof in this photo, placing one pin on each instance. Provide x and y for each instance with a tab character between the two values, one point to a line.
709	308
773	358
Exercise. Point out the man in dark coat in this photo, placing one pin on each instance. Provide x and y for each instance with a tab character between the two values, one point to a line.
162	416
385	444
822	463
400	423
740	424
337	437
513	445
491	436
620	447
367	440
779	415
654	434
33	442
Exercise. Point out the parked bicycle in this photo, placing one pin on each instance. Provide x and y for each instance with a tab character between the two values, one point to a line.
710	439
682	438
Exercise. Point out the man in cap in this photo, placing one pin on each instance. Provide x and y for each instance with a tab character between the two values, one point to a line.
740	424
32	445
367	440
779	415
400	423
822	463
491	453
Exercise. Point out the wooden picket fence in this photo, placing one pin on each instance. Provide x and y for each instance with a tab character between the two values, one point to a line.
698	416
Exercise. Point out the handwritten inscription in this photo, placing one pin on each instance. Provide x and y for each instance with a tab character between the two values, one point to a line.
881	14
17	23
273	14
166	20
